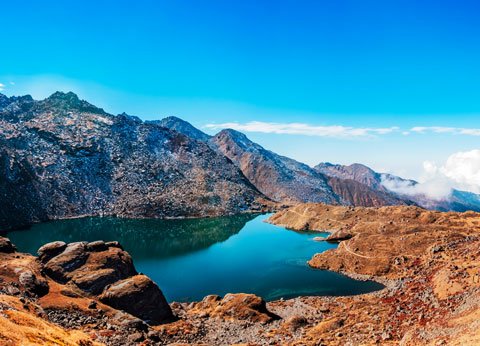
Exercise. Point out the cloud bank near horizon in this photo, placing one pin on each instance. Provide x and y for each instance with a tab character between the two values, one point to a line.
461	171
446	130
337	131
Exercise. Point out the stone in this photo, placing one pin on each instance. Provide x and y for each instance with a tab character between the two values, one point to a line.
296	322
94	282
50	250
60	266
32	284
340	235
98	245
6	245
139	296
241	307
113	244
136	337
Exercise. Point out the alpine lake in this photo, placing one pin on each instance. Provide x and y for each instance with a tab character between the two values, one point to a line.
192	258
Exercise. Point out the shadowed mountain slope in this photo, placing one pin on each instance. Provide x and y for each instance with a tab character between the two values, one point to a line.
63	157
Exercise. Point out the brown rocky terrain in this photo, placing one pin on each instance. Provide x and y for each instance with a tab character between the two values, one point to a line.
358	194
90	293
429	261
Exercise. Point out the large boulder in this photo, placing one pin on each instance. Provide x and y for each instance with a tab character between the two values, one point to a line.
139	296
73	257
50	250
89	266
6	245
340	235
240	306
105	270
33	284
94	282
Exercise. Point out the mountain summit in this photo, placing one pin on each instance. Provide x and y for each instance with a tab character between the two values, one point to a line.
184	127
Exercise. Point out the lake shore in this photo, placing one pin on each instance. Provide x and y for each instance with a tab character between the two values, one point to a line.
427	259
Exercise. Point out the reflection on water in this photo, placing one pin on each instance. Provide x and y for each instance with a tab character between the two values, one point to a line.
193	258
142	238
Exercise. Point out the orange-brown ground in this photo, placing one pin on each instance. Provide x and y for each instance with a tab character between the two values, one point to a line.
429	262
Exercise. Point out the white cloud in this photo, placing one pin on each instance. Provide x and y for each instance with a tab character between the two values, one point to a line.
448	130
435	187
2	86
463	168
304	129
12	83
460	171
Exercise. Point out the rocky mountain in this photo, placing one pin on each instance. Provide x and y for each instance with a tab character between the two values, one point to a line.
63	157
286	180
277	177
358	194
357	172
376	182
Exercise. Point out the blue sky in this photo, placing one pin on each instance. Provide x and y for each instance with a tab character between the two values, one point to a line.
361	65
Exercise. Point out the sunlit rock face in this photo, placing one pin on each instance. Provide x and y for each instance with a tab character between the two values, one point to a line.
63	157
278	177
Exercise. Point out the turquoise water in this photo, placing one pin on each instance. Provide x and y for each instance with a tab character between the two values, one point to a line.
190	259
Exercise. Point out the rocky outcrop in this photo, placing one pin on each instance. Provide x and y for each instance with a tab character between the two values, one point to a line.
139	296
339	235
237	307
6	245
105	270
90	294
63	157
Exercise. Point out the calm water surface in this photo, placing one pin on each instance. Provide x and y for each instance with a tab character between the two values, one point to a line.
190	259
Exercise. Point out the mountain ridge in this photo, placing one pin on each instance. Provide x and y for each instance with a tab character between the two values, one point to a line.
63	157
355	184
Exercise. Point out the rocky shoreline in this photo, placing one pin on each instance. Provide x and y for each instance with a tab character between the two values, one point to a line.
427	260
91	294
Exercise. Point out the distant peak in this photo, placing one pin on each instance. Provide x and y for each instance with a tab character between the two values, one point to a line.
184	127
233	133
70	100
173	118
326	164
360	165
236	137
60	95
